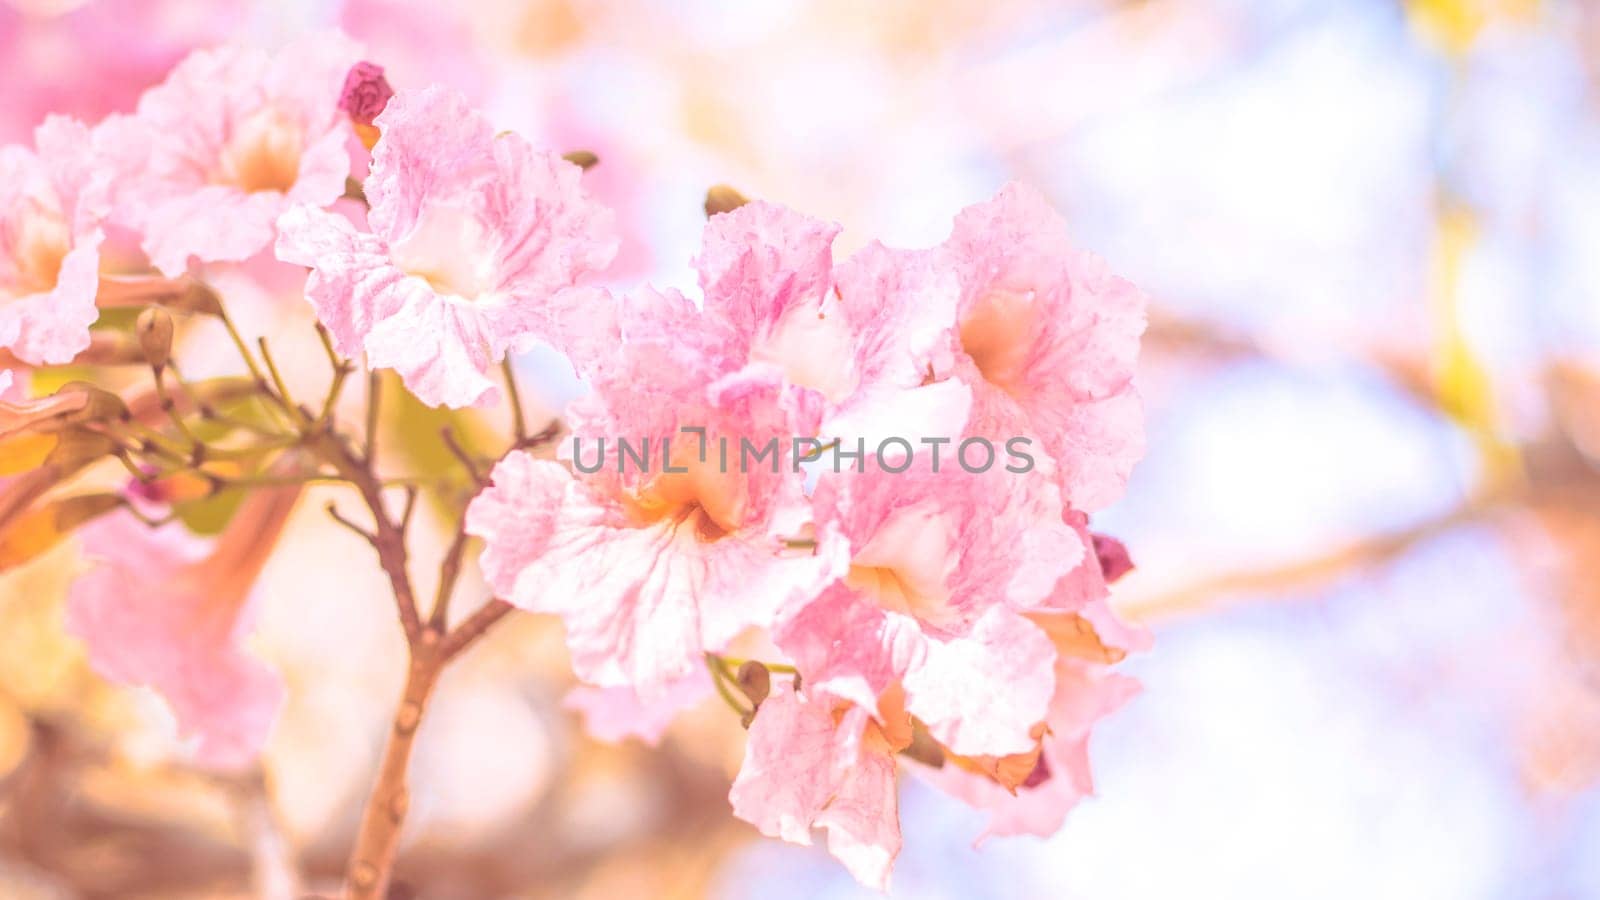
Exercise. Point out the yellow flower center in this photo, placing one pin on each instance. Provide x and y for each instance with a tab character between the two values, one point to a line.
997	334
263	154
37	249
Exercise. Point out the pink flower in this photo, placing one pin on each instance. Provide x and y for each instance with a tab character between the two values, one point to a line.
1047	337
1087	638
232	139
813	761
652	568
1085	693
942	567
166	609
864	336
51	205
475	243
899	308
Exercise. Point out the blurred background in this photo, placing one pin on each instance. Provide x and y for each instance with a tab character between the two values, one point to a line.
1367	528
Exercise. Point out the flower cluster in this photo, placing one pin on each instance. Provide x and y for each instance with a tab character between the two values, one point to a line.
950	622
953	617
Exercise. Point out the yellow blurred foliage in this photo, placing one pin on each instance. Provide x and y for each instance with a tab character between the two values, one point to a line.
1455	25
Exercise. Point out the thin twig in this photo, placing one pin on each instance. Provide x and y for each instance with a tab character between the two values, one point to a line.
410	507
244	351
369	537
277	379
460	453
449	572
473	627
519	425
374	395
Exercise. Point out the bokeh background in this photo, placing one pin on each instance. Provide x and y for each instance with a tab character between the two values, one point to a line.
1367	529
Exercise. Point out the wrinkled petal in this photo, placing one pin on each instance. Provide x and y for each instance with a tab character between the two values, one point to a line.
763	265
1084	694
51	206
226	144
1049	339
982	694
899	307
476	247
806	768
642	601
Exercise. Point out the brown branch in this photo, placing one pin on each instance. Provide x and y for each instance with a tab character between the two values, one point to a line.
379	837
449	572
461	454
387	537
473	627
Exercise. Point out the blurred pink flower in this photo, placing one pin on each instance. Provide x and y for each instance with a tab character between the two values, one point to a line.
166	609
816	762
88	60
52	201
229	141
475	241
614	714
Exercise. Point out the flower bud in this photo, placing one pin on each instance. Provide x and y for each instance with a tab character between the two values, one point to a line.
583	159
721	198
364	95
154	328
755	681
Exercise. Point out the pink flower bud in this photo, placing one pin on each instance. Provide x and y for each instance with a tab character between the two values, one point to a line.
366	92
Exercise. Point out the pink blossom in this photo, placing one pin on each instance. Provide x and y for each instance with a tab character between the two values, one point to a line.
232	139
898	308
165	609
1047	338
1085	693
649	568
942	567
864	336
51	205
816	762
475	243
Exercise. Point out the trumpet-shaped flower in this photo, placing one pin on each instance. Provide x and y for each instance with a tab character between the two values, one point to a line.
476	242
943	565
1047	337
1060	775
165	609
233	138
863	335
661	550
814	761
52	201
